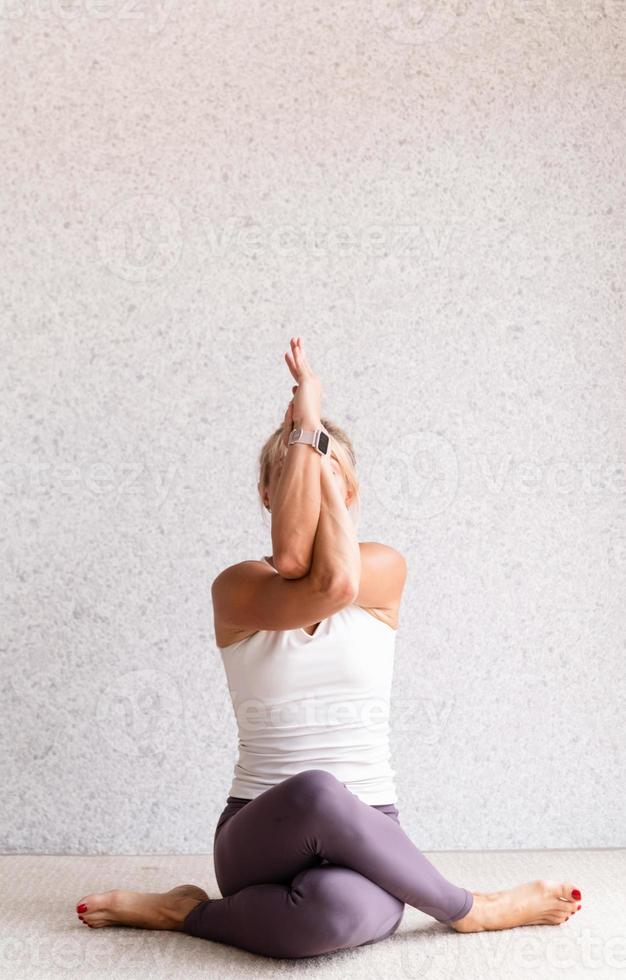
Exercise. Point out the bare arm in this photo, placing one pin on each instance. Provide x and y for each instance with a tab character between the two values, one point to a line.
296	508
297	498
336	555
338	546
251	595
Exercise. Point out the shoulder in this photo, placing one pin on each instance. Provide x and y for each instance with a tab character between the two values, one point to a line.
377	548
383	577
239	574
233	586
383	557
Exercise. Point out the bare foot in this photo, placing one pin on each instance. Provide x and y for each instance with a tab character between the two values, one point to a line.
143	910
536	903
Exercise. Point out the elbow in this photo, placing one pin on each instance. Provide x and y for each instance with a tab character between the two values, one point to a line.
345	589
289	567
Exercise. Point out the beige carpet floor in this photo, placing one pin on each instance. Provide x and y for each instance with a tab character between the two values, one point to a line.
41	937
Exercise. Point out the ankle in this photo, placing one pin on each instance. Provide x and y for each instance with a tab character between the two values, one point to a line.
474	920
178	912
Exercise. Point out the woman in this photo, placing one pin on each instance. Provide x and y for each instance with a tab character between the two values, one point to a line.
309	853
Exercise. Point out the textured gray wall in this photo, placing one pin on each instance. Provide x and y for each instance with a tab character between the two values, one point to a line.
433	196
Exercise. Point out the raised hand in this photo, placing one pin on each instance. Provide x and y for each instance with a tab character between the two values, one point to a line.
307	400
296	500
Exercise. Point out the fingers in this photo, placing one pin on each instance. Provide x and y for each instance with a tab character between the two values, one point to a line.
296	359
296	356
290	357
291	365
297	353
302	361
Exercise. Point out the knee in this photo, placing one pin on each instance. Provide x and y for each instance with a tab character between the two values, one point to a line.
313	788
316	778
344	910
333	912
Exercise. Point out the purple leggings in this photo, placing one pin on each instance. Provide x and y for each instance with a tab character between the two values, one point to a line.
307	868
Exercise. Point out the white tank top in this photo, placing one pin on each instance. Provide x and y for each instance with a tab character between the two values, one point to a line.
317	701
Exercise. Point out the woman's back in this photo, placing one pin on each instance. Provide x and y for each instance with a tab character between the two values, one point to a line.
314	701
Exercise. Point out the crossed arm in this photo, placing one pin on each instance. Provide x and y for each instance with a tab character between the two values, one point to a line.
296	510
312	530
311	525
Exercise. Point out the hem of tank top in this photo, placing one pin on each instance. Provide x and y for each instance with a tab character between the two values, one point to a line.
248	799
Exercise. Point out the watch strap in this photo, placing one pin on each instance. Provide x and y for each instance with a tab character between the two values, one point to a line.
305	436
310	437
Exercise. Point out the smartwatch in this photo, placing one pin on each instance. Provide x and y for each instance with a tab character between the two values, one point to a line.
318	438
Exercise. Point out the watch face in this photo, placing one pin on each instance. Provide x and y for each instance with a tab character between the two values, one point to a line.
322	443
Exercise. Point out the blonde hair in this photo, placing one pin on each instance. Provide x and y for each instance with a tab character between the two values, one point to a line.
274	451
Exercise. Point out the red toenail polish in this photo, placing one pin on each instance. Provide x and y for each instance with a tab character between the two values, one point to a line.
81	908
576	894
580	906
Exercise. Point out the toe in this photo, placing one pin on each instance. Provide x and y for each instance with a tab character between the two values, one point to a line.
558	898
570	892
94	919
571	904
89	902
565	900
559	894
92	907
